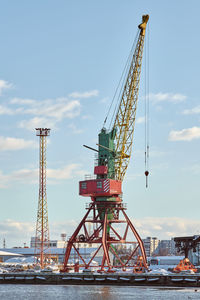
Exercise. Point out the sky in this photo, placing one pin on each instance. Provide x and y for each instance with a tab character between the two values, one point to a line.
60	64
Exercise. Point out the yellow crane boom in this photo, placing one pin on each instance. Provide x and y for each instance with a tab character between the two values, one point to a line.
125	118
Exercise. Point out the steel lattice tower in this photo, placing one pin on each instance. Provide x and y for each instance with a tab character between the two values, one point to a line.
42	245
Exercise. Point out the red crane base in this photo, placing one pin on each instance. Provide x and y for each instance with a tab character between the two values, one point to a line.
112	232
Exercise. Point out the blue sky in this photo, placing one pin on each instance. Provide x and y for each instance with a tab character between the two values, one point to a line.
60	65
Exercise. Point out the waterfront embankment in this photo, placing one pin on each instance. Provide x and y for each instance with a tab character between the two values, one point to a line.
128	279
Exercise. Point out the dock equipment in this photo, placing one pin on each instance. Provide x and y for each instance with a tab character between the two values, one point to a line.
112	230
183	245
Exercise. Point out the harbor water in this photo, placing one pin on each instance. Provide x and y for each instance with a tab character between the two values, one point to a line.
58	292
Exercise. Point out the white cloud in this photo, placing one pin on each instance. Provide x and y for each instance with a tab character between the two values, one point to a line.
67	172
22	101
194	168
16	232
157	153
4	85
74	129
195	110
87	117
140	120
30	176
133	176
105	100
3	180
57	109
153	153
167	97
10	143
88	94
37	122
166	228
5	110
24	176
188	134
46	113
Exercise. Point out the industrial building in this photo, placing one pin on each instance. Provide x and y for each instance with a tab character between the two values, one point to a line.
150	245
154	246
52	243
166	247
56	253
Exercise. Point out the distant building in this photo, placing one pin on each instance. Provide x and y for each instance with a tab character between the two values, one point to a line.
150	245
166	247
52	243
57	250
171	261
61	244
57	253
154	247
6	255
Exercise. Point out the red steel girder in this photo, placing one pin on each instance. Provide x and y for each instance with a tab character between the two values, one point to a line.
100	236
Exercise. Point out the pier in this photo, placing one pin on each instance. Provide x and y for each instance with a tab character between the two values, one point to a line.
170	280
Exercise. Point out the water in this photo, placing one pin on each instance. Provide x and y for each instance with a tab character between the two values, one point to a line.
40	292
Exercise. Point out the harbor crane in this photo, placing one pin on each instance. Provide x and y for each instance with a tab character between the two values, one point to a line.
112	230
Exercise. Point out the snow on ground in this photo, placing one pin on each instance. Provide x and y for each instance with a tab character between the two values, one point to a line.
21	260
2	270
159	271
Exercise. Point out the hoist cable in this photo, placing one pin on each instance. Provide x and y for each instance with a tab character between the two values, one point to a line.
148	33
147	109
121	81
125	75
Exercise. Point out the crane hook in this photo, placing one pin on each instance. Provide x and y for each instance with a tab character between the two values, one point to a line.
146	174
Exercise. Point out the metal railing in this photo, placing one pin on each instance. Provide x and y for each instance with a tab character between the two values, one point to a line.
90	176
